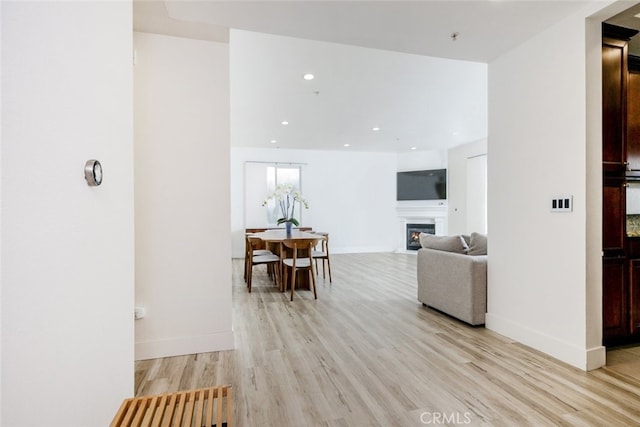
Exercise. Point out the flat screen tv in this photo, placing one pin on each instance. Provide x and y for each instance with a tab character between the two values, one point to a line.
422	185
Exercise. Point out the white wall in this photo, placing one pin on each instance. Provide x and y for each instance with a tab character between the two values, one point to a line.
351	196
1	133
422	160
183	254
538	290
457	184
67	248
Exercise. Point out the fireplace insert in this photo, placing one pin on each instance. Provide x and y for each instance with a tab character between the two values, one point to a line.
413	234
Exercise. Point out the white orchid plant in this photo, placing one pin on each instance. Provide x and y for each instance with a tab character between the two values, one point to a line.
286	198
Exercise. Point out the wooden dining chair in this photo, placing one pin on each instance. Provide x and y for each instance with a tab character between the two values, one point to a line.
299	261
253	244
323	254
269	259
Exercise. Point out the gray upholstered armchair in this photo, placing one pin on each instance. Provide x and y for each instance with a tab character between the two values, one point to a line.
454	283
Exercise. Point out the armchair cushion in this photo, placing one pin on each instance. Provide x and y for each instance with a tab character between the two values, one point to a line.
477	244
443	243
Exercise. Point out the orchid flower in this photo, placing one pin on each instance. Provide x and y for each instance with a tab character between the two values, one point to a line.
286	198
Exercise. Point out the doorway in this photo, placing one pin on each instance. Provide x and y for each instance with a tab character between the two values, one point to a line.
620	172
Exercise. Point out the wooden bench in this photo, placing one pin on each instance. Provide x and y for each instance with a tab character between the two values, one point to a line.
185	408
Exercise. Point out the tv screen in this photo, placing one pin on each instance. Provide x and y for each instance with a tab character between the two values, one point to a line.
422	185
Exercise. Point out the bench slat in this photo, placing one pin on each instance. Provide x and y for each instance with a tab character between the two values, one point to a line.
190	407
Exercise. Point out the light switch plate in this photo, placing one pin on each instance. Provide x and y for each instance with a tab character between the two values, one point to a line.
562	204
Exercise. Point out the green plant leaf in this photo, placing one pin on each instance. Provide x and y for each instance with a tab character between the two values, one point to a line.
291	220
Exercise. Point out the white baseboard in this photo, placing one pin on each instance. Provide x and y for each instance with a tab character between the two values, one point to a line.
360	249
596	357
184	345
582	358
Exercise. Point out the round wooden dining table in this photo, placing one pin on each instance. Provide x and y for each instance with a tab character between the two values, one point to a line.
274	239
277	236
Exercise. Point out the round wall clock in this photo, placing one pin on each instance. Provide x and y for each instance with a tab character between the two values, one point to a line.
93	172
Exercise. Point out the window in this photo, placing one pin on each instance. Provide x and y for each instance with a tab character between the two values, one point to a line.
260	180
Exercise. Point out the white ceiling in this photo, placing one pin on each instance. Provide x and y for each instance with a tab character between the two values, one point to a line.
487	28
417	101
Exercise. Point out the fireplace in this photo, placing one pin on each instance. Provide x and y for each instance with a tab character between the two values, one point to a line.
413	234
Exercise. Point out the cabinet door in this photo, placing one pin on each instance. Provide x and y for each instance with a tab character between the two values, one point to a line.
634	296
613	215
614	100
633	122
615	312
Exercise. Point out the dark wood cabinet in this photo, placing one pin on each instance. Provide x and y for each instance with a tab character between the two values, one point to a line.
614	299
633	116
614	100
634	297
620	163
613	215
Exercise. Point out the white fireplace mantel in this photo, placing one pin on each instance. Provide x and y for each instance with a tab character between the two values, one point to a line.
420	212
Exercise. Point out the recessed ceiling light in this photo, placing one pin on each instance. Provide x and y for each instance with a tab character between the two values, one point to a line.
637	16
308	76
455	133
414	148
284	122
375	129
273	141
346	145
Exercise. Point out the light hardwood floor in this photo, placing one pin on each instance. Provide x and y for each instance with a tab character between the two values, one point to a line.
366	353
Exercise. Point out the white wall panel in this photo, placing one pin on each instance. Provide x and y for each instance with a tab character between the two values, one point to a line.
457	184
476	190
183	251
67	248
538	289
